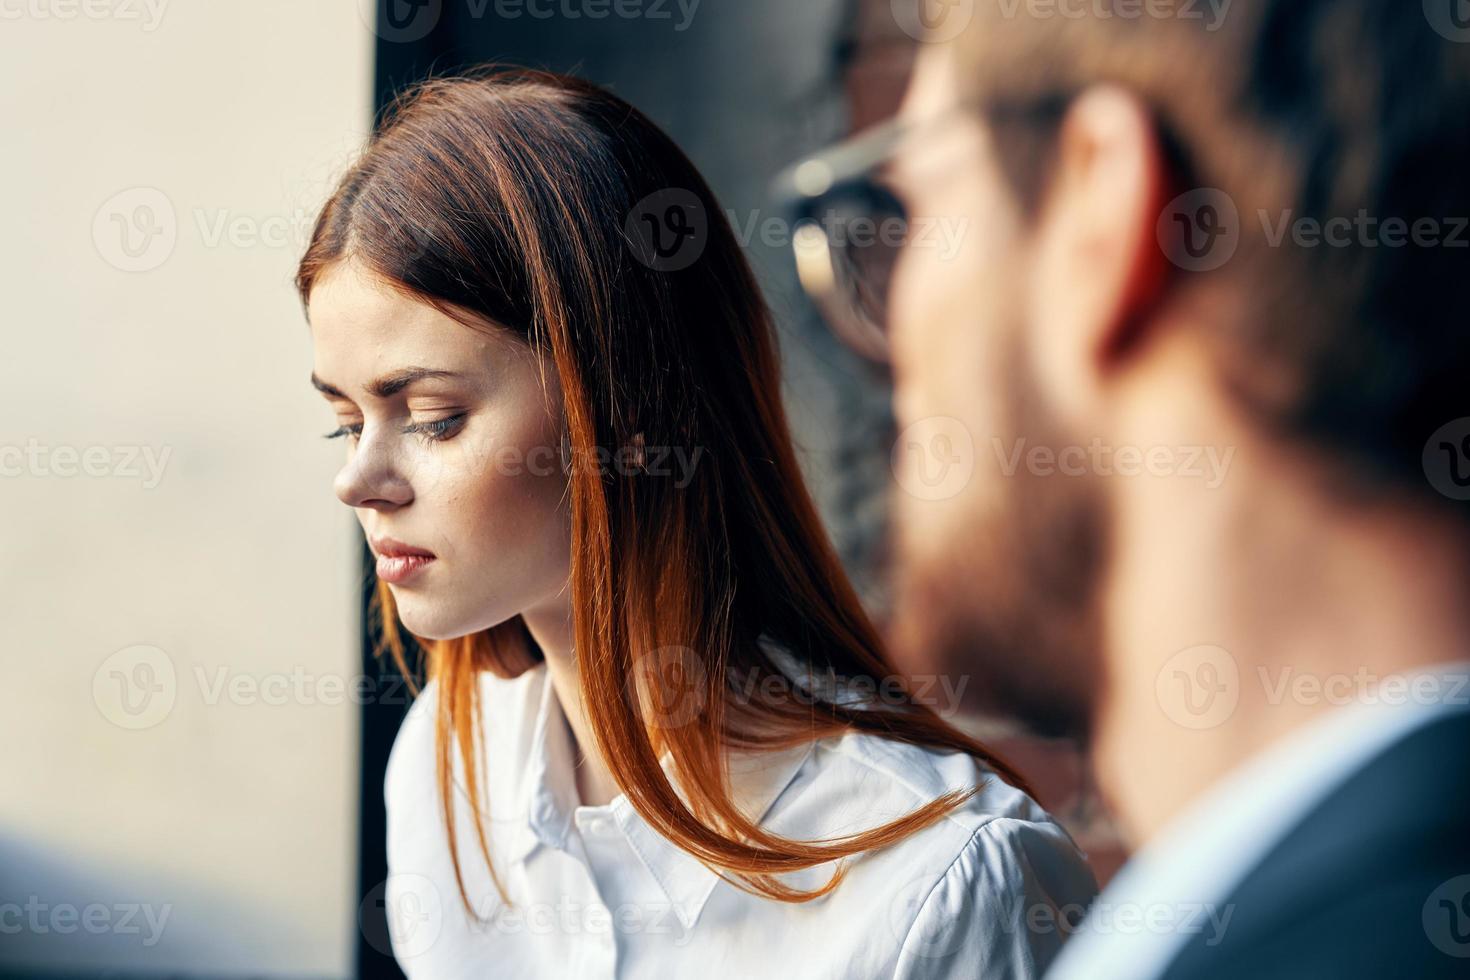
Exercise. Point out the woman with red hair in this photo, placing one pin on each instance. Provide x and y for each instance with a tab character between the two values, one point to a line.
654	705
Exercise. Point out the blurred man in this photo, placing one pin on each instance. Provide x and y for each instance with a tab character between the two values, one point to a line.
1186	454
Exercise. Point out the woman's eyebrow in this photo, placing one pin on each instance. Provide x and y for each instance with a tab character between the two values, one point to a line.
388	385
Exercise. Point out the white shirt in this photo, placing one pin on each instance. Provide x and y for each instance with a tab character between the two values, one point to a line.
1180	883
598	893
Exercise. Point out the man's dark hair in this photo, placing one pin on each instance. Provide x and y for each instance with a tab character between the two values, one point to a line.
1294	109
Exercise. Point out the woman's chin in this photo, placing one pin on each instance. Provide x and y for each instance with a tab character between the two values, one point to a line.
427	624
426	621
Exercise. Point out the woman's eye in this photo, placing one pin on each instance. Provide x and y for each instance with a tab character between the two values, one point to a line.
439	428
435	430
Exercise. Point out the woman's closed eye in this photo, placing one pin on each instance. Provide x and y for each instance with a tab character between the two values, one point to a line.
434	431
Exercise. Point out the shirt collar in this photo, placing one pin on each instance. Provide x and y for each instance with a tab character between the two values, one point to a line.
547	794
546	800
1205	852
756	780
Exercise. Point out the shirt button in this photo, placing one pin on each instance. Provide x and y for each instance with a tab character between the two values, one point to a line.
600	826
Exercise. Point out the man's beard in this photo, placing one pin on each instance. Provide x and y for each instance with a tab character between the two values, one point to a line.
1007	596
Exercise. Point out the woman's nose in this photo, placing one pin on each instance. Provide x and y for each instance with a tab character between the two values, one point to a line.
375	476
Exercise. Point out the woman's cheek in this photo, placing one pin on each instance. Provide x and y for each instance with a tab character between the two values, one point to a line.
512	493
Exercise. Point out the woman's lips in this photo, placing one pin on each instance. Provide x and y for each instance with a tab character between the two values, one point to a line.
398	562
397	569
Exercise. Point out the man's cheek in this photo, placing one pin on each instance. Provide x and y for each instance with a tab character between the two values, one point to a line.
918	326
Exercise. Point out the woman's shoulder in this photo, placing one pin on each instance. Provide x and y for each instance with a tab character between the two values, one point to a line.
888	772
856	781
861	780
410	770
994	885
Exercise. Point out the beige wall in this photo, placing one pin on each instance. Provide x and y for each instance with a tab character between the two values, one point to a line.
178	742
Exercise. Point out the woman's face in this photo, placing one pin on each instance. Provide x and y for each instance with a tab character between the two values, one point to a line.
453	448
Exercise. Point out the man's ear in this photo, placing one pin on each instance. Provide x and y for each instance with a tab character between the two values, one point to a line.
1098	268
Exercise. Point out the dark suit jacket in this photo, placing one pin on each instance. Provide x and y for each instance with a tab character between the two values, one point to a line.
1365	885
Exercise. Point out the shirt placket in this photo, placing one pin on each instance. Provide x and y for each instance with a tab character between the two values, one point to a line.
596	845
581	914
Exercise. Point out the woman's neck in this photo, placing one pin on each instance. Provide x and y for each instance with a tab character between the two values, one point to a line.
551	627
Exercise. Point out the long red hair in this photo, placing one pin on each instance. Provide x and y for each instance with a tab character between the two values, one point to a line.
502	196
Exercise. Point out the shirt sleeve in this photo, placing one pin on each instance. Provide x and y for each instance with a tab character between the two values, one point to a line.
1002	909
